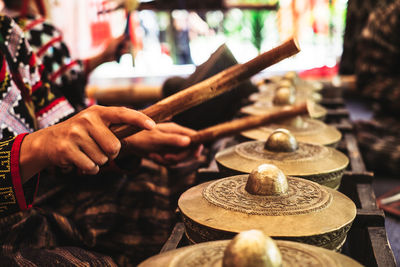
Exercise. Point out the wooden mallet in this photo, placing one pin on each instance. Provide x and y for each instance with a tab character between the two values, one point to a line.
210	87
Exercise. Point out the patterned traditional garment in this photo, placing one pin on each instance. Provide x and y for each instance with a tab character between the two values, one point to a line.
124	216
380	144
356	19
379	57
67	75
378	78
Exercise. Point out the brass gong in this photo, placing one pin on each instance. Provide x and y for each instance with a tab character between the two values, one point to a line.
215	254
261	108
304	130
283	96
294	79
301	83
267	91
321	164
269	96
282	207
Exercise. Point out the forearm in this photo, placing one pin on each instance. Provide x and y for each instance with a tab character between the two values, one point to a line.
112	48
92	63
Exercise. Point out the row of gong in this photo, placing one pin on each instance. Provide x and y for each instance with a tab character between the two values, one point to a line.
285	187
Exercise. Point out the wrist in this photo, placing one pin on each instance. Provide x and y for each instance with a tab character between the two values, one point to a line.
32	158
93	62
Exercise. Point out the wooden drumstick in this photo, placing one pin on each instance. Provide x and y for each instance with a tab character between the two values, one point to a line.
246	123
211	87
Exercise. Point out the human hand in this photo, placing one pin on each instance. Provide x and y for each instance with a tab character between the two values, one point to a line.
115	48
84	141
167	144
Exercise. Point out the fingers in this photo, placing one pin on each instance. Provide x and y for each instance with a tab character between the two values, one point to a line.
159	159
124	44
85	164
198	151
175	134
102	135
95	153
175	128
185	155
173	140
74	156
176	158
106	140
121	115
117	47
86	141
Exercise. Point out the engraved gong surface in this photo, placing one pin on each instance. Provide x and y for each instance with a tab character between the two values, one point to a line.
302	197
212	253
205	256
311	131
305	152
293	256
307	160
338	212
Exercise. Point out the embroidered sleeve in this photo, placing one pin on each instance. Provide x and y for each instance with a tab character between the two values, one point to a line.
66	75
378	65
48	105
12	195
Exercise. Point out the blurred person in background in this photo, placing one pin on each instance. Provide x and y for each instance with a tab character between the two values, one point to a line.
67	74
378	80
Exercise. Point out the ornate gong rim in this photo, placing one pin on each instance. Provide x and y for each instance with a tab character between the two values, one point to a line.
211	254
261	108
329	160
322	134
339	213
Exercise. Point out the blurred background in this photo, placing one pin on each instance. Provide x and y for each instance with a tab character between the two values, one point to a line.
171	37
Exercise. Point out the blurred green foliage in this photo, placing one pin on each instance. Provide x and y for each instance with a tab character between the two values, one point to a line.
248	24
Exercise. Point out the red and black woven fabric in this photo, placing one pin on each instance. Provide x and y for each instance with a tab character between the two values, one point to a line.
26	103
67	75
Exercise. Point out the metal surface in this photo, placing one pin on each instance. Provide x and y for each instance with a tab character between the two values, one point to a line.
260	108
284	96
324	165
307	212
267	96
252	248
304	129
211	254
